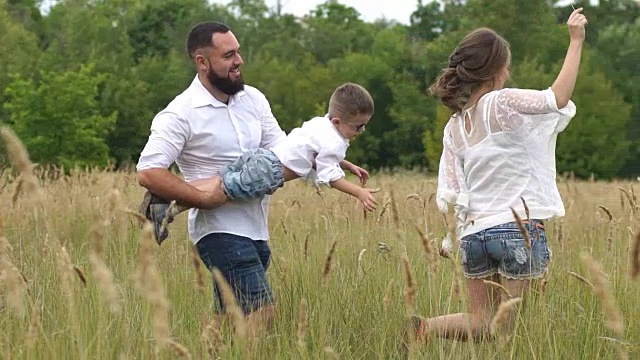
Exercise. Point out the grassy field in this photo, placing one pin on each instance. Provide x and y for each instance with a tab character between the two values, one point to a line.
71	266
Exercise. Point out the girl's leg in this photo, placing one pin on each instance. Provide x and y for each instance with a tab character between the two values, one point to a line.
483	300
517	288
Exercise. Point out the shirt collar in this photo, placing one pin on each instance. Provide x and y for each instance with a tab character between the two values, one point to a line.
200	96
336	130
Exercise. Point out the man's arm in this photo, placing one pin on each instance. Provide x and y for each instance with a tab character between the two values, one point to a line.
168	186
169	134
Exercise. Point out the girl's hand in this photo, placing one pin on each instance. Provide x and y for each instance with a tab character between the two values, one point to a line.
576	23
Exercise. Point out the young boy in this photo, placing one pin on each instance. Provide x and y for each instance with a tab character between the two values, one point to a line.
313	151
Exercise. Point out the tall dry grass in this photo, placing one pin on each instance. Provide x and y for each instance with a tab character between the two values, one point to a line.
335	300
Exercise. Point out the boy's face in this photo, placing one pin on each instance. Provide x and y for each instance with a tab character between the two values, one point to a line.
353	126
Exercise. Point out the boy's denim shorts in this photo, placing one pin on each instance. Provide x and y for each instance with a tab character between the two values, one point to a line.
254	174
243	263
502	249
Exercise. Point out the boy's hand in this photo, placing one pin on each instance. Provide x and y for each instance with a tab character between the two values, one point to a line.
361	173
367	200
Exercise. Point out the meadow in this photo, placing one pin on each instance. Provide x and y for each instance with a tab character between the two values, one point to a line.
80	279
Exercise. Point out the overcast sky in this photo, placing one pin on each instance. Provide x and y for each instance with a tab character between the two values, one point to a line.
370	10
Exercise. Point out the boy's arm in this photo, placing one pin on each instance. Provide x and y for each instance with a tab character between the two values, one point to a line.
361	173
362	194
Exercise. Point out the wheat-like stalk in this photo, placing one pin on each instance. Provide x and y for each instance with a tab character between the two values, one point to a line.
502	316
105	282
212	338
581	278
327	263
15	285
523	229
394	209
606	211
65	270
388	292
331	353
526	208
18	191
195	260
34	325
632	204
149	283
305	250
20	158
416	197
80	274
360	257
384	209
500	288
179	349
634	256
303	323
611	226
411	290
559	230
165	220
231	307
613	317
426	245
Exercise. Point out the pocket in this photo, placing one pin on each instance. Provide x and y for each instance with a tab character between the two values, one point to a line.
541	250
465	251
239	253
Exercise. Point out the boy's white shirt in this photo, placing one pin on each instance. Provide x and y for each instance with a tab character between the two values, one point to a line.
314	151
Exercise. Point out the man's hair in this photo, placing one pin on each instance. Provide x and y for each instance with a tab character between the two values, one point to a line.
350	100
200	36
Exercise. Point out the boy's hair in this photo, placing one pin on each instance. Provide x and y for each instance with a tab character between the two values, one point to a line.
350	100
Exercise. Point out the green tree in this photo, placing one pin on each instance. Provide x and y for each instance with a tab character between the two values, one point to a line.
618	54
335	30
432	139
59	119
18	49
594	140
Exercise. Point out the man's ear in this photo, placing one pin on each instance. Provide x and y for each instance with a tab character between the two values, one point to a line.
201	62
335	121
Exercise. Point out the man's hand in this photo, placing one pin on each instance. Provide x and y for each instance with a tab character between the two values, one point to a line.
211	192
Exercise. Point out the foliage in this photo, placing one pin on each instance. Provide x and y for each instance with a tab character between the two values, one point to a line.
137	47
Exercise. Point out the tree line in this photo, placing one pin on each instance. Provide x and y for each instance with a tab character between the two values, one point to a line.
82	79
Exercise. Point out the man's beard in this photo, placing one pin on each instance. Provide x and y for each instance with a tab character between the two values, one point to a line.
225	84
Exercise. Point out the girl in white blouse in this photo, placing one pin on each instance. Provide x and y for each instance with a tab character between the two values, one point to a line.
315	151
499	153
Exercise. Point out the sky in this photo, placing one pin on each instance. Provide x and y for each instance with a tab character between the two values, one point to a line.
370	10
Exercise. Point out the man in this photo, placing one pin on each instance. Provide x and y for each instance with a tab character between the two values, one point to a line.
209	125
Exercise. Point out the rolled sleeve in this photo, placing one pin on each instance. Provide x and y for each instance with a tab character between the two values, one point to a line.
566	113
169	134
515	107
328	165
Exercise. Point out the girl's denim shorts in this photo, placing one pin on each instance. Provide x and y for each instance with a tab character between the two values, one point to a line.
502	249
